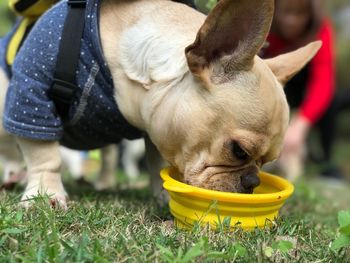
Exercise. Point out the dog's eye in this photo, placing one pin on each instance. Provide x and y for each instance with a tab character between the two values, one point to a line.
238	152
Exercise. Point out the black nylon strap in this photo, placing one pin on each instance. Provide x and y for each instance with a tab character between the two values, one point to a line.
22	5
63	87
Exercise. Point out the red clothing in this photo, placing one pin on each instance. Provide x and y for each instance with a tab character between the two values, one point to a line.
321	83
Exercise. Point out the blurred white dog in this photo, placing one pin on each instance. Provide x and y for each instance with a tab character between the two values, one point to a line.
133	152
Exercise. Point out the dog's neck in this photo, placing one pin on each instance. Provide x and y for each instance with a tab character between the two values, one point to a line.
143	43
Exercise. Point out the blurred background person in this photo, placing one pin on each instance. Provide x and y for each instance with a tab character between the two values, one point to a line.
310	92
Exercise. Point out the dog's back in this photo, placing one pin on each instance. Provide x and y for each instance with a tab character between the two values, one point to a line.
152	35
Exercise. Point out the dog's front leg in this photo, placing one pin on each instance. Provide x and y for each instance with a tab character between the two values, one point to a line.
44	163
155	163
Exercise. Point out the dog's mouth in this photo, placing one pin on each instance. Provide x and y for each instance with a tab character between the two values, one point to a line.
225	179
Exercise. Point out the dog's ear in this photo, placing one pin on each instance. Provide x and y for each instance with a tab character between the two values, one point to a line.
287	65
230	37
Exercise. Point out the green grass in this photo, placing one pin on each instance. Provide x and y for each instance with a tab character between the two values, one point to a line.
128	226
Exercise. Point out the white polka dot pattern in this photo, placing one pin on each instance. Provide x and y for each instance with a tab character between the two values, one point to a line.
29	112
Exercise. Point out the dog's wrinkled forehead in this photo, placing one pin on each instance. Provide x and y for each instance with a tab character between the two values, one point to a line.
249	97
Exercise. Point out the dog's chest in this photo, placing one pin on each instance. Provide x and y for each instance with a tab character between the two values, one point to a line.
95	118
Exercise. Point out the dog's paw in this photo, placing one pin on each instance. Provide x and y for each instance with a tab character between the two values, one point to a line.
105	182
57	197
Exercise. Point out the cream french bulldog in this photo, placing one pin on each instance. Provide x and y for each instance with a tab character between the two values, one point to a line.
209	105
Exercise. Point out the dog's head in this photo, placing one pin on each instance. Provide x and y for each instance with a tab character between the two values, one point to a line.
230	115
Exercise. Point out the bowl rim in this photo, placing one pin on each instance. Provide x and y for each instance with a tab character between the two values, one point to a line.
286	189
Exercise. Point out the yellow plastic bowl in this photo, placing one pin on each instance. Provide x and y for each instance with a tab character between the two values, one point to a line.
190	205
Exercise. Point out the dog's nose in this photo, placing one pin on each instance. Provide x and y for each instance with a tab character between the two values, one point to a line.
250	181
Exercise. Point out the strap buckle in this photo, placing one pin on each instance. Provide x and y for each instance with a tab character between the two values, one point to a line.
77	3
62	91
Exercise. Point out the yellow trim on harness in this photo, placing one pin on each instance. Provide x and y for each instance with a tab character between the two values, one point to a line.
16	40
34	10
30	15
